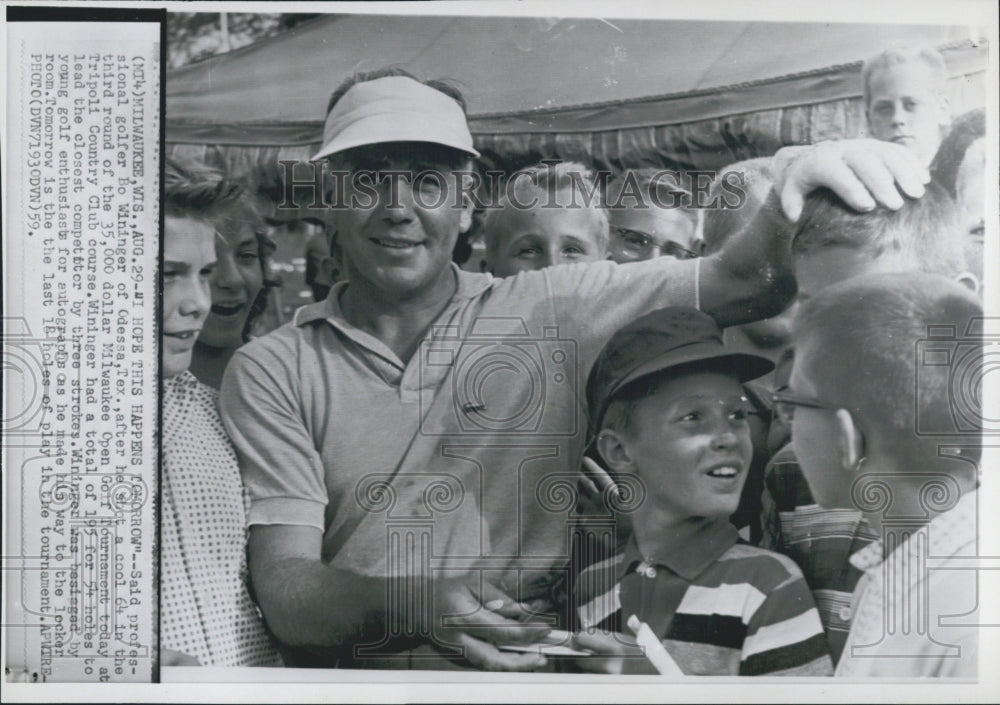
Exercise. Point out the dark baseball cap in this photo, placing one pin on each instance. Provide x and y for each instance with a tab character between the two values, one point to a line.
660	340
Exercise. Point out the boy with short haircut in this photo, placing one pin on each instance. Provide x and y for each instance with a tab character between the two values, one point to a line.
830	244
544	218
669	415
651	217
856	437
905	98
819	540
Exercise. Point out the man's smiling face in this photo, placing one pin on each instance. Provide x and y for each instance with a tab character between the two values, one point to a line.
398	233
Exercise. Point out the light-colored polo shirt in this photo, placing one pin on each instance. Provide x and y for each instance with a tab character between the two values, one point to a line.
466	456
916	606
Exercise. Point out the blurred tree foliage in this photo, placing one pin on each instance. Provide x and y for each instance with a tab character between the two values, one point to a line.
193	36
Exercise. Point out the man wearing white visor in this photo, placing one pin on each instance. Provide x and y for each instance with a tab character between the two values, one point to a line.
411	444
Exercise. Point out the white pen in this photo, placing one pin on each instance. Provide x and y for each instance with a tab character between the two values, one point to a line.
661	659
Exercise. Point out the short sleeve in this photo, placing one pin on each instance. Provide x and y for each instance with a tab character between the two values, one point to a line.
605	290
784	634
598	298
281	468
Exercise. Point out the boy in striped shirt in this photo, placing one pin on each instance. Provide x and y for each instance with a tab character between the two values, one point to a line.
668	414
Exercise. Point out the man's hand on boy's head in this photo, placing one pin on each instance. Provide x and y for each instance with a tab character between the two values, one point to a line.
863	172
476	615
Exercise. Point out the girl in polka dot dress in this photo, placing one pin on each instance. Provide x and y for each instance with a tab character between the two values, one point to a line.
206	614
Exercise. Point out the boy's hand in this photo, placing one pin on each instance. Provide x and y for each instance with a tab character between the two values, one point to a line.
475	615
610	652
862	172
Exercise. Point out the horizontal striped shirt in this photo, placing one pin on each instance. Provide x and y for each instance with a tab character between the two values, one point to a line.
820	541
720	606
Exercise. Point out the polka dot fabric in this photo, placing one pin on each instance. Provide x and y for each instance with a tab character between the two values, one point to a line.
205	609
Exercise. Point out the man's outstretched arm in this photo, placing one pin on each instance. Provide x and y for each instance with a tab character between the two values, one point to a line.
751	278
309	603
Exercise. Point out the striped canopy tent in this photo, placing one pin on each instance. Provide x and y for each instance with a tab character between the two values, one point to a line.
617	93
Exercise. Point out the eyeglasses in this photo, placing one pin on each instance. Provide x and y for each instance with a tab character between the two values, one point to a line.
785	403
639	245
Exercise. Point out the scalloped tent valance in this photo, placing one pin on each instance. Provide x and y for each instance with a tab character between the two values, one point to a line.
681	94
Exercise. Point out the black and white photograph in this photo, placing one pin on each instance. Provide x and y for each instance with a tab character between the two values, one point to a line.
502	351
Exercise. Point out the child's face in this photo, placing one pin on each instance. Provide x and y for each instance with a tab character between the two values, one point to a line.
690	445
903	109
537	238
818	269
237	281
188	265
644	233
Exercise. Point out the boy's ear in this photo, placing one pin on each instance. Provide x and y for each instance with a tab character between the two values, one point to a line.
614	450
331	269
969	281
850	441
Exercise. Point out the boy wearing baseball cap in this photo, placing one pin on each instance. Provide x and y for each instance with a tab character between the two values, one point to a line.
668	415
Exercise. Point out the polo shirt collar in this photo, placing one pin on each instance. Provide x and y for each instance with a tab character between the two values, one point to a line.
697	544
470	285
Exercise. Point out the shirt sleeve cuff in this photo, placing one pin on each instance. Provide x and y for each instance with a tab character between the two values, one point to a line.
286	510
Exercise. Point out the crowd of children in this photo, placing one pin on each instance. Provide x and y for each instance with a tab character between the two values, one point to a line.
787	493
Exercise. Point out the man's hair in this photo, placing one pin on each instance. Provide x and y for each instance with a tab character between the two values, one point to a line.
965	130
437	84
925	230
196	190
721	223
535	183
862	340
897	55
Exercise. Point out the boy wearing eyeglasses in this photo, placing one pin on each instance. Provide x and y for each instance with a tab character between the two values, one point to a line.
668	414
820	540
650	216
879	413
